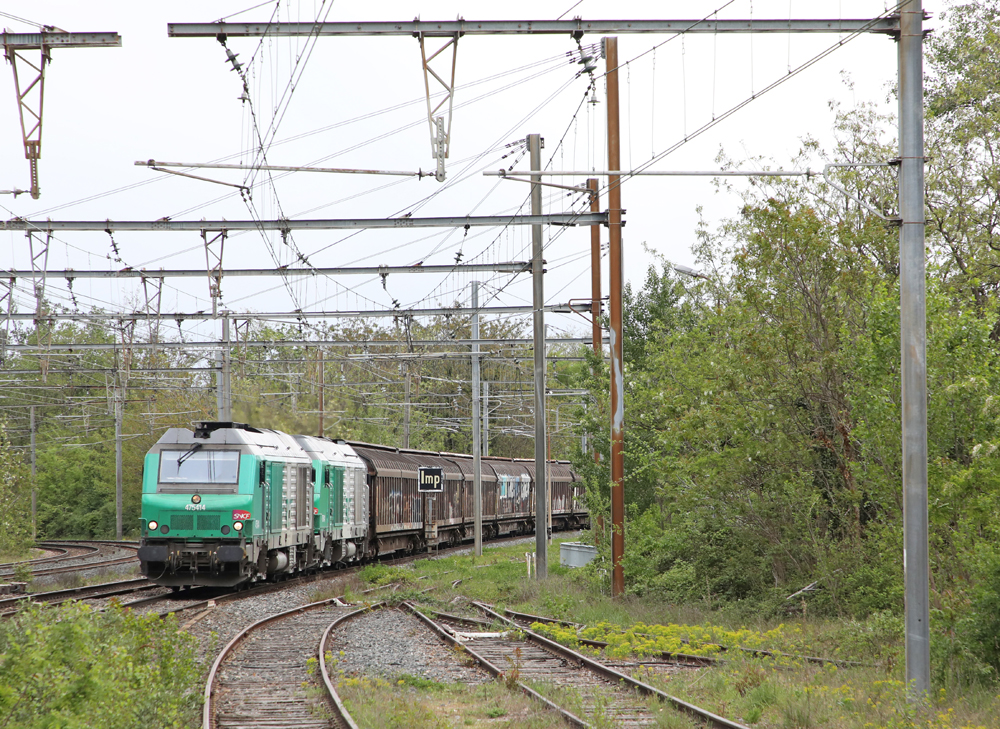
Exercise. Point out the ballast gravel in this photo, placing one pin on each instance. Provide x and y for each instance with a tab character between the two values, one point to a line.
215	627
390	643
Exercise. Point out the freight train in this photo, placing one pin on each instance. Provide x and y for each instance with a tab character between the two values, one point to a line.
228	503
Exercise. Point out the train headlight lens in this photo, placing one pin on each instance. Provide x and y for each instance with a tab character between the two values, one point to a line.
196	499
151	526
238	526
164	529
225	529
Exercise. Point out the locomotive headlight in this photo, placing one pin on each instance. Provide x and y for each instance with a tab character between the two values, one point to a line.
151	526
196	499
238	526
225	529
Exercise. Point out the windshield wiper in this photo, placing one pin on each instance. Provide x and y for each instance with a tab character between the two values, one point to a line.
187	454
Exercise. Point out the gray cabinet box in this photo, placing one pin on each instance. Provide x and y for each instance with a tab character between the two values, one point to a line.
576	554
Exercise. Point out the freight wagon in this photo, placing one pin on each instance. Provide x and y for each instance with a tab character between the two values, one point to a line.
228	503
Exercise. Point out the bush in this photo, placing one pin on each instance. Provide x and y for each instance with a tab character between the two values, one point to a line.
68	666
979	628
15	500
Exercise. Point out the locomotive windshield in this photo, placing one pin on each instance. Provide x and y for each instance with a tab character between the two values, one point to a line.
199	467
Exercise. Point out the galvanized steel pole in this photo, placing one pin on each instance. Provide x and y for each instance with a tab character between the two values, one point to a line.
595	291
615	273
538	304
322	385
406	408
477	448
119	406
913	341
226	413
34	482
595	267
486	418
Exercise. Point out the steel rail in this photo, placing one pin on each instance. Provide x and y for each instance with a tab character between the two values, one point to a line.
616	676
207	710
81	567
342	713
108	589
686	659
10	566
491	668
706	660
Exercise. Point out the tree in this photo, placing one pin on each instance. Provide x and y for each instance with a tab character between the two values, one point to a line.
15	499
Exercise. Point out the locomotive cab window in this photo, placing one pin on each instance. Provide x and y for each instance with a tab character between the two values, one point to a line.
213	471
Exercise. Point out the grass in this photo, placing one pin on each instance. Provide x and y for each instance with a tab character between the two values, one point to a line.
348	586
417	703
30	553
786	692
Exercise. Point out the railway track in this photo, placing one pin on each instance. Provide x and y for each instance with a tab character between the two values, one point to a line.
10	605
673	658
72	557
260	678
584	691
685	659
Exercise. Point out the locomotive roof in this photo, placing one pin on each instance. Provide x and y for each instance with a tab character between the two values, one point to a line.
326	449
259	442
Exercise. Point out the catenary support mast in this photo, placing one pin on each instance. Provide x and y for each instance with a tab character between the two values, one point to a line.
477	460
615	283
913	341
538	304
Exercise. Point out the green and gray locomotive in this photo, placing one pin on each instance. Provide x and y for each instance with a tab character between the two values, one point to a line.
227	503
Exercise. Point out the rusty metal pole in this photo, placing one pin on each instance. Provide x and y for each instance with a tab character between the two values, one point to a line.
615	283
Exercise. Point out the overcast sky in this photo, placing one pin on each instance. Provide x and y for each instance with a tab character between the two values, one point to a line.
359	102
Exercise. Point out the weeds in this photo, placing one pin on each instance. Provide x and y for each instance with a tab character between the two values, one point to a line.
416	703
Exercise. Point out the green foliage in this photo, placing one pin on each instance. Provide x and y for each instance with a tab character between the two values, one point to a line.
15	499
68	667
77	491
377	575
978	624
762	439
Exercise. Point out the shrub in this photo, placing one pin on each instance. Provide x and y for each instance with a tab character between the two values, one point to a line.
69	666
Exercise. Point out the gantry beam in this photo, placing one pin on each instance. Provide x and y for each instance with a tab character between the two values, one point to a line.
60	39
161	273
294	315
430	28
29	80
166	225
297	343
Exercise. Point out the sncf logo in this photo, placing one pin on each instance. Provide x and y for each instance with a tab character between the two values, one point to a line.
239	515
